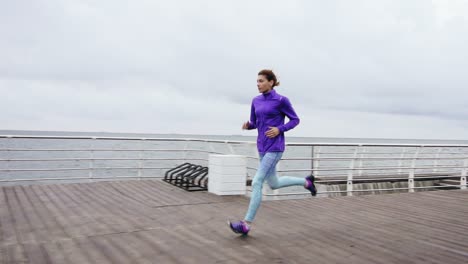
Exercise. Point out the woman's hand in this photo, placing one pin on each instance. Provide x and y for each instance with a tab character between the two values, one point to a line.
246	125
272	132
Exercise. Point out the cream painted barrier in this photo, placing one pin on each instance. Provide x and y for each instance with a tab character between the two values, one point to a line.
227	174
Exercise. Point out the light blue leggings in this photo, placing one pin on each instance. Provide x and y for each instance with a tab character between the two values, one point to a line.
267	171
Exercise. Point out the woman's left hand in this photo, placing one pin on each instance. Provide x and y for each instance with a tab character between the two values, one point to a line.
272	132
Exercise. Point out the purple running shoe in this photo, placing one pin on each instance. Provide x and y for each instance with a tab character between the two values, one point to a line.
239	227
310	185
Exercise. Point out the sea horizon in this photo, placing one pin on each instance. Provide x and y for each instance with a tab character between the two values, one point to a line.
236	137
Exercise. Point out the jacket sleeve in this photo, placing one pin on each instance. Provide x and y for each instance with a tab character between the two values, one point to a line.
288	110
253	117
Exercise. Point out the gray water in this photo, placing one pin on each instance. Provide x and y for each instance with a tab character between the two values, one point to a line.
236	137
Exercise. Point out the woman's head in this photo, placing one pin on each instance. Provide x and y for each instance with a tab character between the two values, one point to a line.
266	81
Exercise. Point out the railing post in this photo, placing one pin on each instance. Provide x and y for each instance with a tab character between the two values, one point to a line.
361	156
140	159
185	150
312	159
349	182
8	156
91	161
436	160
411	173
400	162
212	147
463	175
230	148
316	155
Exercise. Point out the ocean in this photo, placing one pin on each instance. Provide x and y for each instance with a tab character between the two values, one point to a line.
236	137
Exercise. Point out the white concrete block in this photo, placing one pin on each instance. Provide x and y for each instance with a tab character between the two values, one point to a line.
227	160
226	171
243	192
227	174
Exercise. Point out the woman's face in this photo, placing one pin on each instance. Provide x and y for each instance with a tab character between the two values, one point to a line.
264	86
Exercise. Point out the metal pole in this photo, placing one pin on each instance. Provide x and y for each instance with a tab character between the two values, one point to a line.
230	148
140	159
312	160
316	161
8	155
463	175
436	161
91	161
185	151
400	162
411	173
361	156
349	182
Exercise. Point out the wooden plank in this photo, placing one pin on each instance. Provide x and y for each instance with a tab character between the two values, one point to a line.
9	233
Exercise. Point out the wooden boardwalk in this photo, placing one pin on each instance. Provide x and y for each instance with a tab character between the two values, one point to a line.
154	222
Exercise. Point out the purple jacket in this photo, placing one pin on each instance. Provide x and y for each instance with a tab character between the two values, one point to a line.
269	110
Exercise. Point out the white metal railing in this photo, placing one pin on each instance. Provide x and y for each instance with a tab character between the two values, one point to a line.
353	163
92	159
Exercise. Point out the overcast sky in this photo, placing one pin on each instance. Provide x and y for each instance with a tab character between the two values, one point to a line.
361	68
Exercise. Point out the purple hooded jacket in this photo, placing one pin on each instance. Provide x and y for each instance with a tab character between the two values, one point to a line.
269	110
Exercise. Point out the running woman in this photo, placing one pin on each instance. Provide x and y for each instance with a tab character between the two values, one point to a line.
268	112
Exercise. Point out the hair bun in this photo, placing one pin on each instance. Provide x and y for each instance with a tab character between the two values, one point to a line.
270	76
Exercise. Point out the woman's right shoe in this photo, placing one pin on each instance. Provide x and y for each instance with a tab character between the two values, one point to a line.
310	184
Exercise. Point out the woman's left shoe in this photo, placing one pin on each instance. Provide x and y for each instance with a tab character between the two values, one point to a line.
239	227
310	184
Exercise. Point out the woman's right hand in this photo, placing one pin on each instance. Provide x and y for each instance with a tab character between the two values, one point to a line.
246	125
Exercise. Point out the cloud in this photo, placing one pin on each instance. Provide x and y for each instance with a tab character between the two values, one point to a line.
185	66
108	106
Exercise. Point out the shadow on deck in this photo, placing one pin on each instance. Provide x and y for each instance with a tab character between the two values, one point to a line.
153	222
